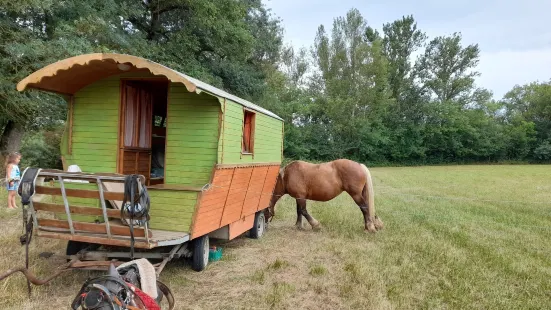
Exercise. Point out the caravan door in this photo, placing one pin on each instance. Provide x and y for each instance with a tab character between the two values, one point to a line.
135	128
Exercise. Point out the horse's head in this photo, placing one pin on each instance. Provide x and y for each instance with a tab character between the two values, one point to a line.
279	191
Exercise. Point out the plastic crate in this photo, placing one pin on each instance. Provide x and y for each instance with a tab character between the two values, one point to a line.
215	254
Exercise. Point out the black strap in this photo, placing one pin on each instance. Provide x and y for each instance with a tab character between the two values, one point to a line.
134	194
26	192
168	294
26	185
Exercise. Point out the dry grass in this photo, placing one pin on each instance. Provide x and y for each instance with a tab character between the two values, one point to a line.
434	253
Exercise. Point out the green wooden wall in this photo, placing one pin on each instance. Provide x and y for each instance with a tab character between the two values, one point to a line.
193	144
171	210
192	137
191	147
95	127
268	137
74	201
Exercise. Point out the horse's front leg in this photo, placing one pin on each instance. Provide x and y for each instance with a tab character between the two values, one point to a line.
301	203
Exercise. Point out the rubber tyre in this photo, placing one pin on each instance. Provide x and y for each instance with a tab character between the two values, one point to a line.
259	226
200	257
73	247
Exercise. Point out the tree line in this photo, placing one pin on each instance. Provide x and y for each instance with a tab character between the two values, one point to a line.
392	96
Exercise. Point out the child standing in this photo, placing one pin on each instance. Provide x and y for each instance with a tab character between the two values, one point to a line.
13	176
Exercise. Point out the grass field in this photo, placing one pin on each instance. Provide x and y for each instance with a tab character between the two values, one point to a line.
455	237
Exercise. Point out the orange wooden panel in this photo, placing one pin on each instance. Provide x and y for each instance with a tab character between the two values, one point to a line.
240	226
217	201
211	206
233	199
236	195
232	210
267	190
254	191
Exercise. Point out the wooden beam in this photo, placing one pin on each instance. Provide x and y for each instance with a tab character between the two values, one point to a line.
175	187
95	264
93	228
70	133
96	240
223	131
245	165
57	208
90	177
80	193
282	138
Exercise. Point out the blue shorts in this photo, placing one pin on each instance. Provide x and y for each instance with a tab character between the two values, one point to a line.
14	187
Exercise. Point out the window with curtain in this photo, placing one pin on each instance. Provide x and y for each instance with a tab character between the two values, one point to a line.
138	117
248	132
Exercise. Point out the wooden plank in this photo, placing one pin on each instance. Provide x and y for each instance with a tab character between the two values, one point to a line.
174	187
213	201
79	210
226	166
99	129
70	133
236	196
80	193
268	188
94	228
240	226
205	223
175	196
91	177
192	132
97	240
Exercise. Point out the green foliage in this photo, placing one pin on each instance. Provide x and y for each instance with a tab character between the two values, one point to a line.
543	152
230	44
356	93
363	98
41	149
446	69
349	93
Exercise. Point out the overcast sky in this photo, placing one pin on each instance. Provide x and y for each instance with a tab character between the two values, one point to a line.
514	36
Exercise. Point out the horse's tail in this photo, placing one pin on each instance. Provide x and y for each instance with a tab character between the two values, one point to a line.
368	192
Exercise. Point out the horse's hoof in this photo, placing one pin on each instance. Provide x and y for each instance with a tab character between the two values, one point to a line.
379	225
316	227
371	228
299	226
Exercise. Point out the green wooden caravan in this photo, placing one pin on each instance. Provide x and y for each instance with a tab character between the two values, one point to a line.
207	159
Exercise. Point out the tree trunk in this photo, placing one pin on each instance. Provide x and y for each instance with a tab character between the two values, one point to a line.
10	141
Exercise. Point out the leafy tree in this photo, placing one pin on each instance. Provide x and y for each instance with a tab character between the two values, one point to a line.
543	152
224	42
356	95
447	69
404	119
400	40
530	104
352	80
231	44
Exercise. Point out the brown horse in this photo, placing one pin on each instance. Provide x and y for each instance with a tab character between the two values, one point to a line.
322	182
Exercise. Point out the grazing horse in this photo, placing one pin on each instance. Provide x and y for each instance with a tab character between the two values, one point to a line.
322	182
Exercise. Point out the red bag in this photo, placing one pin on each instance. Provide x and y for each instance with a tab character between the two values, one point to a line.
148	302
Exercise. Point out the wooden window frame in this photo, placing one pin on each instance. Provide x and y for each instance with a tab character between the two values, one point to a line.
70	129
252	134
